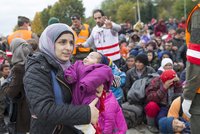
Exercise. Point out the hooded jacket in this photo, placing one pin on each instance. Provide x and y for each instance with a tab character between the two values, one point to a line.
156	92
86	79
15	88
112	119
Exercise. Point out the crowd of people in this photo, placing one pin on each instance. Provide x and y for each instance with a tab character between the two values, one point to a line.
106	80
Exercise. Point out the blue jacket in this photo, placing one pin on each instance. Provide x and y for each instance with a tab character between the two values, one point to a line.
118	92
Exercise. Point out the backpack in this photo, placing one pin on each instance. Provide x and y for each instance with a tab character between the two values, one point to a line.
133	114
136	94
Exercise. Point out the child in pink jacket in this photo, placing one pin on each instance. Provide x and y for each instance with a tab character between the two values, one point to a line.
111	120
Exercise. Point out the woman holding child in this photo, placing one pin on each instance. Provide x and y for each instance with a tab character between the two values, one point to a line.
49	97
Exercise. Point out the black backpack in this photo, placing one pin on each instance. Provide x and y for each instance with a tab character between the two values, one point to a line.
136	94
133	114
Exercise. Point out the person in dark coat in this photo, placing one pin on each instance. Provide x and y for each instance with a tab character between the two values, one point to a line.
15	89
140	70
4	70
153	59
130	63
51	108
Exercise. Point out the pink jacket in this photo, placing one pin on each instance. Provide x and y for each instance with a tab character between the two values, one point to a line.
112	121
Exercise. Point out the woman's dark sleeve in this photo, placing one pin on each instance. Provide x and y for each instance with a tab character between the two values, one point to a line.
39	93
15	87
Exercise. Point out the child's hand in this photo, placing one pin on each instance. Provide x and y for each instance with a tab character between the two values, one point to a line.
116	81
99	90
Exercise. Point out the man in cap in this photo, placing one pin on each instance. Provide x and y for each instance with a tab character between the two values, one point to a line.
82	32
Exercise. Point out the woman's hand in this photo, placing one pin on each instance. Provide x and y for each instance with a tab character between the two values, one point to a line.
99	90
94	111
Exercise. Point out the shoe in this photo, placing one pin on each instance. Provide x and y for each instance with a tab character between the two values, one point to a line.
3	128
153	129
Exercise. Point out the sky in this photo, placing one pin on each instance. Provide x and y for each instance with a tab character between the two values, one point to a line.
11	9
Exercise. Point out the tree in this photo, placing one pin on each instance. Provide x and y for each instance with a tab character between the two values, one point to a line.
121	10
90	21
45	15
148	11
164	7
110	7
64	9
178	7
36	24
126	12
118	10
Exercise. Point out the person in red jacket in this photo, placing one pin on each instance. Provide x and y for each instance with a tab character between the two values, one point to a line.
159	95
160	29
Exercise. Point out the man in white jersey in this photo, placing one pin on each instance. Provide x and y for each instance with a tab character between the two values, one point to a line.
104	37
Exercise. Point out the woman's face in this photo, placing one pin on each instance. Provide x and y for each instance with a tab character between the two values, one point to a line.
168	66
150	56
139	65
64	46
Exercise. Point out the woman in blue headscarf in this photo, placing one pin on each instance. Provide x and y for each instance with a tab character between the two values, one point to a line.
49	97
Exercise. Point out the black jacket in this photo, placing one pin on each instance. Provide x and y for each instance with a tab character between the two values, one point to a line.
41	100
15	91
132	76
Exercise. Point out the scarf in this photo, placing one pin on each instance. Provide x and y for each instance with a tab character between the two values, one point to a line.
48	39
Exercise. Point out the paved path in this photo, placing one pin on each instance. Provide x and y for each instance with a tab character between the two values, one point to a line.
142	129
